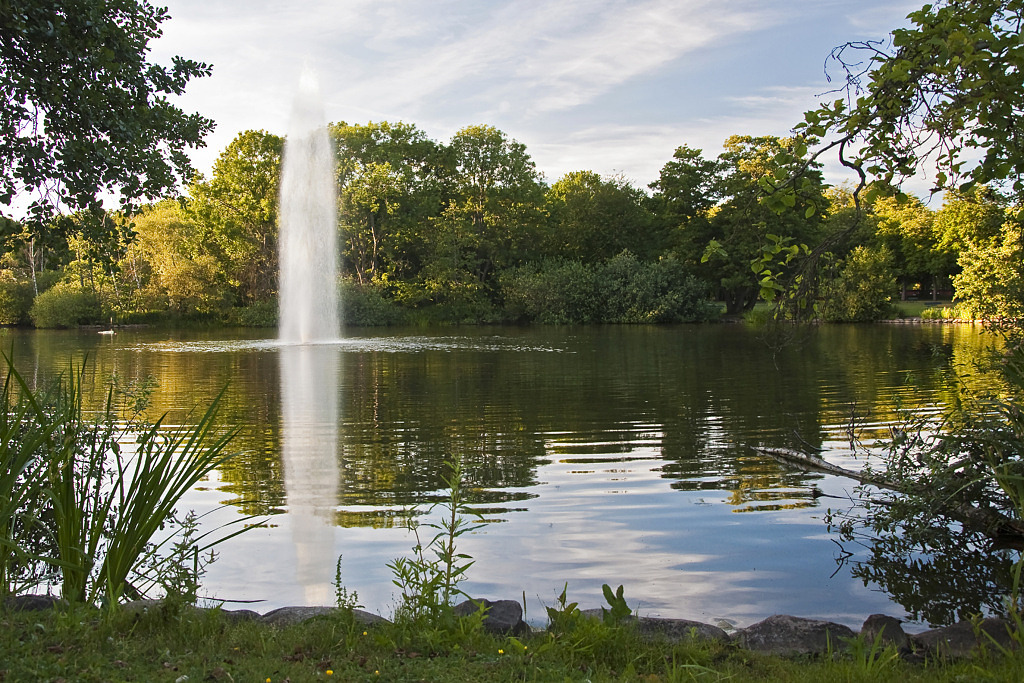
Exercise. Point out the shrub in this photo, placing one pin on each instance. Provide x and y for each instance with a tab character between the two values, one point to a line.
621	290
555	293
74	500
261	314
658	292
863	291
65	305
367	305
957	312
15	298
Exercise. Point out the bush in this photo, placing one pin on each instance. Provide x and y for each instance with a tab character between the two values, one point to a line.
262	314
367	305
621	290
15	299
657	292
555	293
864	289
65	305
957	312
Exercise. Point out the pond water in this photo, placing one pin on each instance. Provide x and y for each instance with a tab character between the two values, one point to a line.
617	455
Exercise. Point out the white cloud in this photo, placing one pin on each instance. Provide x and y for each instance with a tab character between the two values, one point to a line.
606	85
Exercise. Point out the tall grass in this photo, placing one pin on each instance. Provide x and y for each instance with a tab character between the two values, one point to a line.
87	497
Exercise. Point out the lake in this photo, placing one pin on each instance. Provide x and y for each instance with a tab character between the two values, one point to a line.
618	455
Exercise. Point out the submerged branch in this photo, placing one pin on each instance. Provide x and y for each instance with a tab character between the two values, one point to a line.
1005	531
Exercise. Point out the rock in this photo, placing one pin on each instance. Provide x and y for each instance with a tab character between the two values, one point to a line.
888	632
502	616
785	635
237	615
33	603
673	629
287	616
963	639
680	629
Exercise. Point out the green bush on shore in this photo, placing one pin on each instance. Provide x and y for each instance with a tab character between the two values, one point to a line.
66	305
623	289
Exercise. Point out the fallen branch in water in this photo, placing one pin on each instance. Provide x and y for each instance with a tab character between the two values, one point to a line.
788	456
1005	531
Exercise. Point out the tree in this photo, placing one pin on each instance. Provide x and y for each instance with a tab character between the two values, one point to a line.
863	289
595	218
83	112
389	187
170	265
991	282
492	216
687	187
969	219
906	229
742	227
238	207
948	91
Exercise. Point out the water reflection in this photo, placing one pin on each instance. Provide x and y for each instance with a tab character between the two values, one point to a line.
309	451
609	454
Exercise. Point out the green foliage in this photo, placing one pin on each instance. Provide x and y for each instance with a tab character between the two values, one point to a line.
863	289
991	284
66	305
553	293
593	218
93	503
261	314
623	289
734	234
343	598
367	305
430	579
957	312
948	90
163	644
658	292
237	211
15	298
108	123
563	617
619	611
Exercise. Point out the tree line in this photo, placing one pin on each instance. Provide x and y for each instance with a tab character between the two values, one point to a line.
469	231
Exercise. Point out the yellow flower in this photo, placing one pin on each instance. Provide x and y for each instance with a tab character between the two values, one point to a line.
329	672
501	652
364	633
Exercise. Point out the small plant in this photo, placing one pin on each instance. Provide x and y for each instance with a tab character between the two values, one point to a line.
343	598
619	609
429	584
565	616
85	501
872	657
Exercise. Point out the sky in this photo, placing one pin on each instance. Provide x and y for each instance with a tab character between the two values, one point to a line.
611	86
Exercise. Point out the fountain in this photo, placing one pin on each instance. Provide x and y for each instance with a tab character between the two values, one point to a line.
308	322
307	239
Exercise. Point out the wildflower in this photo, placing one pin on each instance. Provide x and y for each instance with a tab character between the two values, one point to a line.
501	652
329	672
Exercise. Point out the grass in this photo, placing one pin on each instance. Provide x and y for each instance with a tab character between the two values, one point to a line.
181	644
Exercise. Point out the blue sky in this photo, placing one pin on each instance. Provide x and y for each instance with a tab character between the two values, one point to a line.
612	86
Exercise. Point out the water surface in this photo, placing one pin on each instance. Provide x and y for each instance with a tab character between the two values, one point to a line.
617	455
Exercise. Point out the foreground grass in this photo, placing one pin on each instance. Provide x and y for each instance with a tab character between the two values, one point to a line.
185	645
